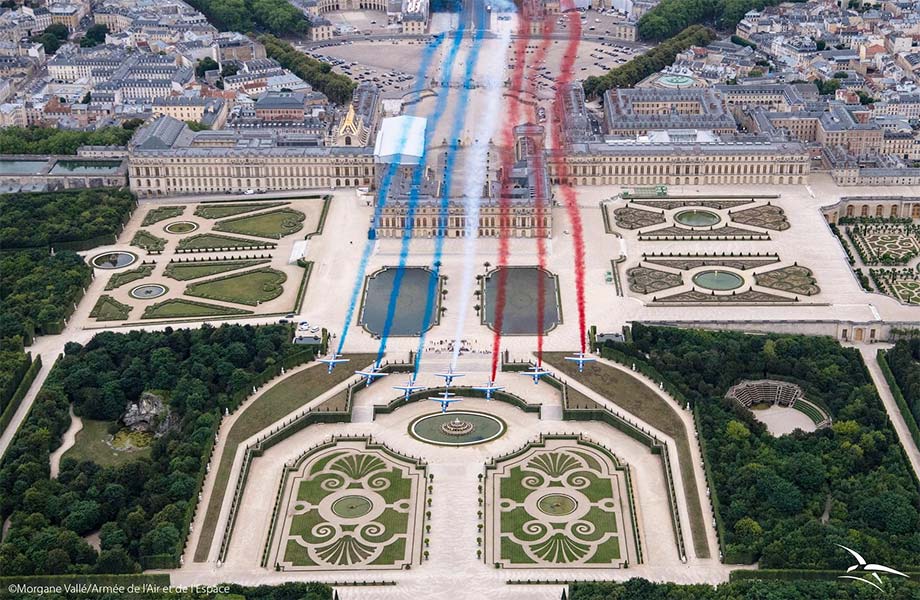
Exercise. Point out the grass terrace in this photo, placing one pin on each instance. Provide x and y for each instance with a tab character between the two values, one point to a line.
250	288
119	279
149	242
178	308
196	270
274	224
211	241
110	309
222	211
161	213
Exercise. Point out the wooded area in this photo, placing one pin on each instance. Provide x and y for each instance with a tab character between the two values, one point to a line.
671	16
338	88
640	67
274	16
786	501
51	140
38	291
142	508
31	220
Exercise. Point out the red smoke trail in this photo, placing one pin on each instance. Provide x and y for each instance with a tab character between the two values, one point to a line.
507	161
568	193
543	196
506	150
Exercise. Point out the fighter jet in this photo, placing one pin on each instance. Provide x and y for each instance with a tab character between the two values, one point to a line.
445	400
371	375
489	388
449	376
409	388
581	358
536	373
332	362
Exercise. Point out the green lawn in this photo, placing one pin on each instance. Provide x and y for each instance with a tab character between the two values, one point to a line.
178	308
180	227
161	213
250	288
110	309
282	399
196	270
149	242
90	444
119	279
221	211
274	224
211	241
632	395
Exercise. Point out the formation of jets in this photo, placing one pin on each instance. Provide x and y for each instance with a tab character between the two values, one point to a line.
446	398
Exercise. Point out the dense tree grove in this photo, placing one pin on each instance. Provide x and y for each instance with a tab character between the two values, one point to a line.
671	16
338	88
274	16
904	361
652	61
30	220
786	501
141	507
94	36
37	291
641	589
50	140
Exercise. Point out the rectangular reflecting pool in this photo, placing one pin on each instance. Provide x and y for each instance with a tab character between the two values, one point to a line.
87	167
21	167
522	288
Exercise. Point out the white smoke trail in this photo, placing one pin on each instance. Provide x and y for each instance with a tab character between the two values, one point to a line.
476	175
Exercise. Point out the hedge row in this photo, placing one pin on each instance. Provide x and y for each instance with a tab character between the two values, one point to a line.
24	384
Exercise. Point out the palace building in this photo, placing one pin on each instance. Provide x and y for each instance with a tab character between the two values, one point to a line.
167	159
525	197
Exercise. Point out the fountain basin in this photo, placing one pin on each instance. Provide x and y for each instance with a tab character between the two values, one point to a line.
457	428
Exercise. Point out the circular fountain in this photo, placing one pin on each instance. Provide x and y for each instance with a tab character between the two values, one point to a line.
697	218
457	428
720	281
113	260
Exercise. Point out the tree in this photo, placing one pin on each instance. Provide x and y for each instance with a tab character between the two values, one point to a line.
204	65
58	30
94	36
116	560
229	70
160	540
49	42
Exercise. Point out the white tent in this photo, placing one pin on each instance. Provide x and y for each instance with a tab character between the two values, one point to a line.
401	139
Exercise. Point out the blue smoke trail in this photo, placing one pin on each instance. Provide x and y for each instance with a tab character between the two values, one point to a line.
418	171
420	79
456	129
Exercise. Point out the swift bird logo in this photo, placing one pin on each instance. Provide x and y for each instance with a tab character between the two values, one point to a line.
869	570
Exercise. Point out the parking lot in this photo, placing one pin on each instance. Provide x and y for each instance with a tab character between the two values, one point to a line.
389	64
